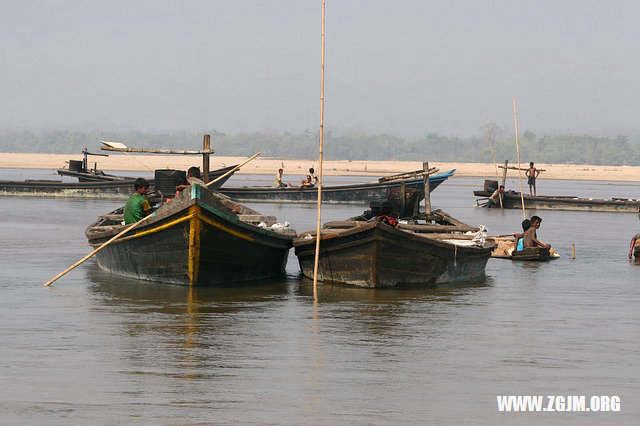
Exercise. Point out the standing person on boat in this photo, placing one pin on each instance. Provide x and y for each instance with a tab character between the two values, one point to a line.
137	205
494	200
278	183
635	240
531	174
531	237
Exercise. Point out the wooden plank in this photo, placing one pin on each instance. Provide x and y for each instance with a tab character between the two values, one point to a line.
436	228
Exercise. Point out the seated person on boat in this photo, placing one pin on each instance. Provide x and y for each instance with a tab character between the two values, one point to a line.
519	243
310	181
137	205
193	176
278	183
530	235
494	200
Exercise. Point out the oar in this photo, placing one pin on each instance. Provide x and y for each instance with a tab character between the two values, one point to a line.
234	169
124	231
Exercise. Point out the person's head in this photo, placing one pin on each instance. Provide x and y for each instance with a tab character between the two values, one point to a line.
311	170
194	172
141	186
526	224
280	171
531	164
536	221
501	188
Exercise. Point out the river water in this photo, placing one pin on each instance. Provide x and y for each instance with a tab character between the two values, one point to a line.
100	348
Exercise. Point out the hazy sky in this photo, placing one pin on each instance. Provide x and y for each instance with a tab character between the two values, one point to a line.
400	66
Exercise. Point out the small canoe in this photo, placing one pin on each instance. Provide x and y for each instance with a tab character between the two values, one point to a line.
534	254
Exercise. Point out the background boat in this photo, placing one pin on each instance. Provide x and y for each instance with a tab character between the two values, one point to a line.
362	193
118	189
511	200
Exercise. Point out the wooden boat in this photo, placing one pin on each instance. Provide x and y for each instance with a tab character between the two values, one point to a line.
361	193
375	254
538	254
195	239
511	200
117	189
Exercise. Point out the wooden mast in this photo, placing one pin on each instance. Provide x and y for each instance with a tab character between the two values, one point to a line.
315	264
515	120
206	146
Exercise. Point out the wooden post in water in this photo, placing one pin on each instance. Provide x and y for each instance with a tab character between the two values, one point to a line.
206	146
515	119
427	189
504	180
318	229
573	251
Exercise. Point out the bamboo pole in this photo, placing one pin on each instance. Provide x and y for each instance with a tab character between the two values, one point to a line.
127	229
515	120
206	146
427	189
234	169
317	254
495	164
504	180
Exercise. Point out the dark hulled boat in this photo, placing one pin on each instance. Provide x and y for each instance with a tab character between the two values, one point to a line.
512	200
117	189
374	254
361	193
195	239
539	254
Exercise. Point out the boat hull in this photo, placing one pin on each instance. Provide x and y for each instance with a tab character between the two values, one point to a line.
536	254
541	202
110	190
376	255
195	243
343	194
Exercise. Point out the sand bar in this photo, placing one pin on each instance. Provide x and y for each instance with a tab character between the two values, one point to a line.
269	166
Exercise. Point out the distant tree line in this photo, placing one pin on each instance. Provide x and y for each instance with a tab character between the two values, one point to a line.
349	145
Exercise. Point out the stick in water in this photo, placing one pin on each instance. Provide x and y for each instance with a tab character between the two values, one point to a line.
124	231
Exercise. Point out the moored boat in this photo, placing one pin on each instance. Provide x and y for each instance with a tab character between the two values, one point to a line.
375	254
196	239
361	193
512	200
539	254
116	189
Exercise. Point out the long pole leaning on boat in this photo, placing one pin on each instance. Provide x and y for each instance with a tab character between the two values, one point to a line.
515	120
234	169
317	253
129	228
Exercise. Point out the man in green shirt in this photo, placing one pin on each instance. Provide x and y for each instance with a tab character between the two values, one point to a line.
137	205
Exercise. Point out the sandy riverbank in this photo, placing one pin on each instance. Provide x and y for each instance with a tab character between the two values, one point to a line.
121	162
